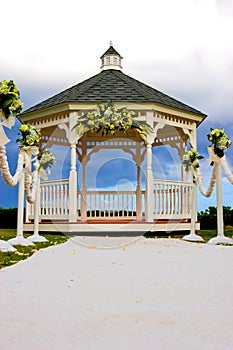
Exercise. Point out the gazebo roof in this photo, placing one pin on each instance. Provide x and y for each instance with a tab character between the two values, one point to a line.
112	85
111	51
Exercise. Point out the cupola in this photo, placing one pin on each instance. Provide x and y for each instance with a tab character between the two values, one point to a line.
111	59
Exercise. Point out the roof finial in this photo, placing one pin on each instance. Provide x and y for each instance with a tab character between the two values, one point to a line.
111	59
110	44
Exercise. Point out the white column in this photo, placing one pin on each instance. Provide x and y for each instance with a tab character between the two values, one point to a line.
192	236
182	152
20	206
36	237
20	240
83	192
220	239
73	185
149	184
139	194
220	225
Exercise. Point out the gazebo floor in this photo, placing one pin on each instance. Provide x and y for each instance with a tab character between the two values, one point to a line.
106	226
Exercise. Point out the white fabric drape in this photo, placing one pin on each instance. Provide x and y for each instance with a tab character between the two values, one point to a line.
205	192
4	167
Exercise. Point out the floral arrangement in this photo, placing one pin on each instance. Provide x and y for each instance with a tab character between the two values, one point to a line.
109	119
46	159
191	159
9	99
219	140
30	136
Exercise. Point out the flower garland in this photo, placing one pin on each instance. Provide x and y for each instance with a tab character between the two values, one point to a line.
109	119
206	192
219	142
191	161
31	185
44	160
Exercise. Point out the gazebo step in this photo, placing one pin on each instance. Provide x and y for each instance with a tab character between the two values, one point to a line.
112	226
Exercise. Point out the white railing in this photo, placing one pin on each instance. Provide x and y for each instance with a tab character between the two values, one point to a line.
54	200
172	199
110	204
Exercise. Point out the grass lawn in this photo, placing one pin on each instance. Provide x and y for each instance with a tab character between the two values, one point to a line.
22	253
205	234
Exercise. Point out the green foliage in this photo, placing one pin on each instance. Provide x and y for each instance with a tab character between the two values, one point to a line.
9	98
29	136
22	253
219	141
208	218
8	217
109	119
46	159
191	158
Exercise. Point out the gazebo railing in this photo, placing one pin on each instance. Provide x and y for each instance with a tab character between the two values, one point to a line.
54	200
112	204
172	199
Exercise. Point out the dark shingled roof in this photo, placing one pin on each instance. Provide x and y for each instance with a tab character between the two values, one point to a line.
111	51
112	85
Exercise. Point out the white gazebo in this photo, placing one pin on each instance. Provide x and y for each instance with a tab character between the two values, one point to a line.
156	204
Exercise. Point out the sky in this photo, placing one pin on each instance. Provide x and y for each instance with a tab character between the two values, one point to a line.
182	48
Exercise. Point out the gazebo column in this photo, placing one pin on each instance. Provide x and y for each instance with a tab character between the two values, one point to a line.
73	184
149	184
182	152
83	192
139	194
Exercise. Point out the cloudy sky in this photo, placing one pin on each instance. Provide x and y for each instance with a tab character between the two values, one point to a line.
181	47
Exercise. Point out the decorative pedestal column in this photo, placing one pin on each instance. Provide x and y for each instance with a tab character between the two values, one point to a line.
19	239
220	238
36	237
73	185
193	237
149	184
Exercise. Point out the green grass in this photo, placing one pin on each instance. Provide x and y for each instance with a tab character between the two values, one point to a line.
208	234
22	253
205	234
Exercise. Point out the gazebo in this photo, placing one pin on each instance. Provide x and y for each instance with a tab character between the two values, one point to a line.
158	204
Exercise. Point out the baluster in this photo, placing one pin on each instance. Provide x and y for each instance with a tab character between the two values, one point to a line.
179	199
58	199
50	201
166	200
62	199
46	200
54	200
42	199
170	192
64	194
